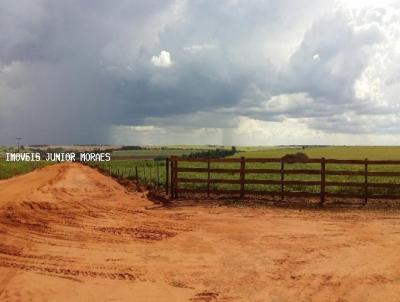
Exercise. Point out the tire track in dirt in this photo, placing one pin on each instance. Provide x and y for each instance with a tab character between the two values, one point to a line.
69	272
79	211
69	233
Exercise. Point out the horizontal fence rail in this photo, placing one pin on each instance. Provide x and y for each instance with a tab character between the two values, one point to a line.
184	172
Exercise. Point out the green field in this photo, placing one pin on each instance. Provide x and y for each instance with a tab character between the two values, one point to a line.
372	153
3	151
147	170
153	172
151	153
10	169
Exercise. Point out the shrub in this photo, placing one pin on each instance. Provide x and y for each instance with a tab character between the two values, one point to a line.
217	153
294	158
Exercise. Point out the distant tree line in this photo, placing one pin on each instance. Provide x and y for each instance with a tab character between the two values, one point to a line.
130	148
217	153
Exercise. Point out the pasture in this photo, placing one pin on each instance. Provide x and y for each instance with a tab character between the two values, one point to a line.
335	152
150	153
147	153
10	169
147	166
153	172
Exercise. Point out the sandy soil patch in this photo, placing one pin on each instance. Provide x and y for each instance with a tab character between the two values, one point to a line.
69	233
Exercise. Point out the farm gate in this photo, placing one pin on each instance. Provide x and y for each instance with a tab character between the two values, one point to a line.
182	172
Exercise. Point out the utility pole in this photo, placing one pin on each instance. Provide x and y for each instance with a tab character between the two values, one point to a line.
18	142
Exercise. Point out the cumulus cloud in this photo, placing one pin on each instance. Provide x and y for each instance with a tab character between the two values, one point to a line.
338	45
163	60
199	71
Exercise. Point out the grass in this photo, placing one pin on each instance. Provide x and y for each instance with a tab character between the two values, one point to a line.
10	169
295	188
4	149
147	170
151	153
153	172
359	152
166	151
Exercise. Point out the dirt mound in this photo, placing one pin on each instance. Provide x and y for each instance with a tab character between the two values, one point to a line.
69	233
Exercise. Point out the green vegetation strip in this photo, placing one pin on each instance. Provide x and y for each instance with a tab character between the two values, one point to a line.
10	169
148	172
359	152
153	172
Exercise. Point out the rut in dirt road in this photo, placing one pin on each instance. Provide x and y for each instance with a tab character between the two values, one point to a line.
69	233
71	206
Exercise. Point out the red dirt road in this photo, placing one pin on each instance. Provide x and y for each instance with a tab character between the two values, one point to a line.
69	233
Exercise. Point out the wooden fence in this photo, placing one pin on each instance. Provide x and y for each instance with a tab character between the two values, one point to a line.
174	171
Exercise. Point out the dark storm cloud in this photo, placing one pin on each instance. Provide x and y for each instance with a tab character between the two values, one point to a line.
53	52
70	70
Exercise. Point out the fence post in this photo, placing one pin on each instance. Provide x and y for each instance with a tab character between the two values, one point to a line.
151	175
322	181
176	176
282	179
366	181
158	175
172	178
242	176
136	174
208	177
166	175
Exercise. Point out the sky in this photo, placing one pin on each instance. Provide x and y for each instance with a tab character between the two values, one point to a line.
231	72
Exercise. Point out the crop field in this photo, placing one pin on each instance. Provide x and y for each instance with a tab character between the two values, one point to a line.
292	188
356	152
10	169
159	152
3	151
144	171
153	172
150	153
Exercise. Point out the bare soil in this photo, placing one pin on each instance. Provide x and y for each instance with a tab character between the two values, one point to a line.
69	233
